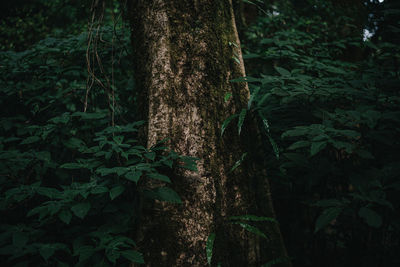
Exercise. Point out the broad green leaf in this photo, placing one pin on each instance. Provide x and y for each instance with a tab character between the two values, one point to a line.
133	176
327	217
226	123
48	192
251	229
317	147
372	218
99	189
46	251
299	144
84	252
167	194
282	71
190	163
209	247
80	210
133	256
242	116
150	155
65	216
116	191
158	176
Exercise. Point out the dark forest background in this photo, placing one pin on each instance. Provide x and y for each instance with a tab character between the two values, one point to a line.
324	80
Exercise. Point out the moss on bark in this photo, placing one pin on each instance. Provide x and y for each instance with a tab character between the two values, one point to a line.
184	66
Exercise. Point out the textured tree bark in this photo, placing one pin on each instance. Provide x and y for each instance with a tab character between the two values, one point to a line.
185	58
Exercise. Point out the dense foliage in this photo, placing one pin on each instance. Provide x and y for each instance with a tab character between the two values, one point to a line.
329	101
70	180
73	170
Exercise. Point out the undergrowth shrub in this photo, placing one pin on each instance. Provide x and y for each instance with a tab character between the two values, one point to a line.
70	180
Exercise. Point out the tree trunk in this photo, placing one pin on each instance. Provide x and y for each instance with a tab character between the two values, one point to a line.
186	54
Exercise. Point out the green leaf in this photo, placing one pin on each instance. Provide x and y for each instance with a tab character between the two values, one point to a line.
80	210
133	256
251	229
48	192
84	252
30	140
242	116
299	144
209	247
150	155
158	176
133	176
116	191
46	251
282	71
252	96
72	166
327	217
99	190
226	123
65	216
167	194
237	163
253	218
317	147
372	218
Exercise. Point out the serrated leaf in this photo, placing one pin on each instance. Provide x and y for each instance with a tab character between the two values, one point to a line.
133	256
80	210
251	229
372	218
326	217
242	116
116	191
209	247
65	216
226	123
133	176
